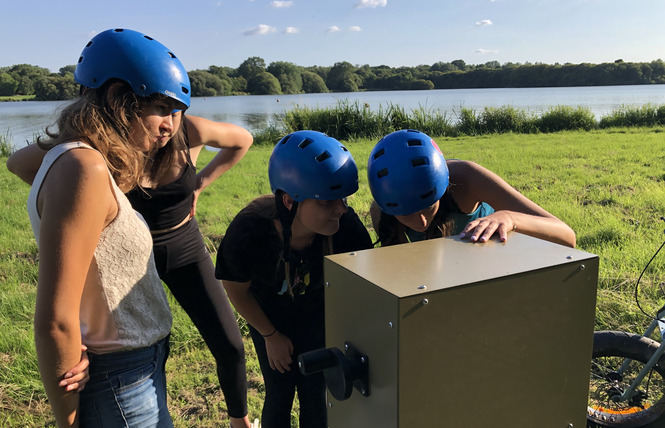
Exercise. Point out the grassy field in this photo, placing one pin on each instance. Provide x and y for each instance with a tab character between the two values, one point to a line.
17	98
608	185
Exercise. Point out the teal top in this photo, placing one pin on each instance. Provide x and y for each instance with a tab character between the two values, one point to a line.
460	221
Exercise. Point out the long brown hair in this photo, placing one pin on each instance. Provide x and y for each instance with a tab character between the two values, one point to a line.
104	119
391	231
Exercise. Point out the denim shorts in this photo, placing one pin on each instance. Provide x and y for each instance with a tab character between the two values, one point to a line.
127	389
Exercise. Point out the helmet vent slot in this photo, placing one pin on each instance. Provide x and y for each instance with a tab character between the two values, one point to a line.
413	143
419	162
285	139
323	156
306	142
185	90
336	187
379	153
382	173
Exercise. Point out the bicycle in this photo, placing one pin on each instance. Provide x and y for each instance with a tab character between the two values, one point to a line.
627	383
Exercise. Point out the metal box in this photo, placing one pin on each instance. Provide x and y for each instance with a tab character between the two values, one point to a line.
459	334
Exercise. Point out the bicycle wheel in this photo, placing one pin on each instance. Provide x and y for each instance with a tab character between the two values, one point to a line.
610	349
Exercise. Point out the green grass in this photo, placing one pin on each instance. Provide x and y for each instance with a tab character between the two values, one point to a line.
17	98
608	185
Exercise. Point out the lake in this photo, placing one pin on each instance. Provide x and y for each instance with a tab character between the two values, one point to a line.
22	121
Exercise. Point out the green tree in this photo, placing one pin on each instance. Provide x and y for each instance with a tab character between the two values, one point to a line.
381	79
238	85
8	85
657	71
443	66
251	67
56	87
289	76
366	73
421	84
420	71
221	72
264	83
205	84
460	64
66	70
26	75
321	71
312	83
646	72
342	78
26	86
402	79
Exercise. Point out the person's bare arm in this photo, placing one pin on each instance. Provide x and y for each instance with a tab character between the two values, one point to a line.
25	162
233	141
278	346
473	183
75	204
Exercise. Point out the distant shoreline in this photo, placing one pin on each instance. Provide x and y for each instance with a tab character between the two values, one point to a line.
16	98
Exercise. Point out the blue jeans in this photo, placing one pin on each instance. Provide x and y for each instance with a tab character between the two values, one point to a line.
127	389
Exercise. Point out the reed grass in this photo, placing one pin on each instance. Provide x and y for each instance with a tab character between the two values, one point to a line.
646	115
349	120
6	147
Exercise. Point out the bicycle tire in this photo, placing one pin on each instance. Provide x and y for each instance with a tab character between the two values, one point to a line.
610	348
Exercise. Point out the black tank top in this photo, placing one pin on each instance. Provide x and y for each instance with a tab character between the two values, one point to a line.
166	206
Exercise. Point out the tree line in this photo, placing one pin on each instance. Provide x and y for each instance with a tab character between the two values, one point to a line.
254	77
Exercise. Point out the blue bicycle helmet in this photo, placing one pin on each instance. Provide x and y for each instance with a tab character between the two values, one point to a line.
145	64
312	165
407	172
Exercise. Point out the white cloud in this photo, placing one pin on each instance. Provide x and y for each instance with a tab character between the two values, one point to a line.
291	30
487	51
484	23
355	28
281	4
332	29
371	3
261	30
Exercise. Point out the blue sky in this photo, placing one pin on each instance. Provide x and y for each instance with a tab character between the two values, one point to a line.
396	33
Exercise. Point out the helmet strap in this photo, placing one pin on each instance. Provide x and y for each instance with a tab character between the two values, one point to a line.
286	220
